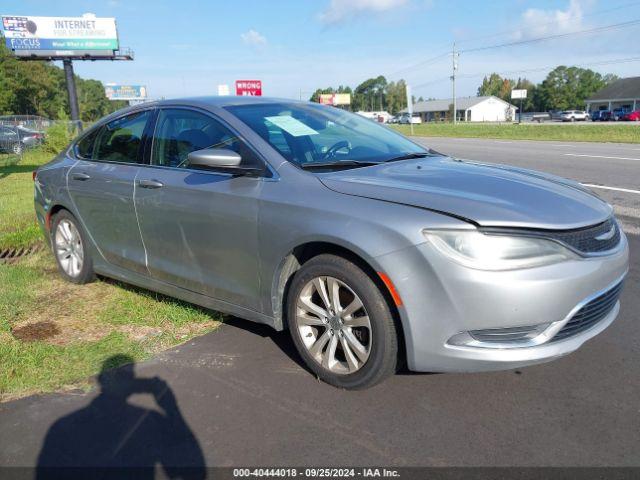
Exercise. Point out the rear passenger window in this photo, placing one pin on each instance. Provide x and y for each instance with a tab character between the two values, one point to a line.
120	140
84	148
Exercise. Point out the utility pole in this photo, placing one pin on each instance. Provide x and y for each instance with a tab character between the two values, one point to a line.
454	61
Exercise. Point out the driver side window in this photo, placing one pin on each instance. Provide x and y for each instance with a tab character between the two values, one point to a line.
179	132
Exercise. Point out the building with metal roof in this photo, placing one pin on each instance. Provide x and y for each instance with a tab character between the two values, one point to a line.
623	93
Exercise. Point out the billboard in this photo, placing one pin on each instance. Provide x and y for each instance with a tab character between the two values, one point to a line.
249	87
335	98
125	92
515	94
60	36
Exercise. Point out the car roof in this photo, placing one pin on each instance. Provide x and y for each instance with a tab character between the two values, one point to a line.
204	101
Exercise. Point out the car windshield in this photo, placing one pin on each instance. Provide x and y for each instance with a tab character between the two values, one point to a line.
309	134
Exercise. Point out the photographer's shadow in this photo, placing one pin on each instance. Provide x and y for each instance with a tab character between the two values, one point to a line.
118	439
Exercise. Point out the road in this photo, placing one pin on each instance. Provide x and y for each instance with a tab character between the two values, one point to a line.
248	401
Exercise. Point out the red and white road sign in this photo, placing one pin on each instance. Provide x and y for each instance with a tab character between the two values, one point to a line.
249	87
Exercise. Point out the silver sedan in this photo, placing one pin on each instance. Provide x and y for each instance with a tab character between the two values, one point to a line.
371	250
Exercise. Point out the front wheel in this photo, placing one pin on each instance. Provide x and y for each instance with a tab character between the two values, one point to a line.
341	323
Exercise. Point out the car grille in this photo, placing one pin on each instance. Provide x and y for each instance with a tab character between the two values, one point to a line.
586	240
590	314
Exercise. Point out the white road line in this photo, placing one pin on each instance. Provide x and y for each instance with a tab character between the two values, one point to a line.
600	156
604	187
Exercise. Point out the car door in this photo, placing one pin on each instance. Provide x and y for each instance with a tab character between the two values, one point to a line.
199	227
101	188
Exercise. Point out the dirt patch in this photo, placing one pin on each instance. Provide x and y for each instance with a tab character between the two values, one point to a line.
32	332
71	308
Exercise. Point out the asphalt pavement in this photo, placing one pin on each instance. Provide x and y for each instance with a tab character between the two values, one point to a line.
243	398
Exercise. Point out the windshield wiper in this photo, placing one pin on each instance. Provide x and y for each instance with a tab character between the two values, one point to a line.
409	156
338	164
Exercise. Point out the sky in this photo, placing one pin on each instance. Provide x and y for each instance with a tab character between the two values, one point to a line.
186	48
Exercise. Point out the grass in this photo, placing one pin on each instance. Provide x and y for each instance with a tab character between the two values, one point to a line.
18	227
568	133
55	335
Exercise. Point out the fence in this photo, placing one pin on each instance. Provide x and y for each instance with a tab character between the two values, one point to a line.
20	133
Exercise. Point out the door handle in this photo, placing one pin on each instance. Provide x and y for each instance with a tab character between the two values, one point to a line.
80	176
150	184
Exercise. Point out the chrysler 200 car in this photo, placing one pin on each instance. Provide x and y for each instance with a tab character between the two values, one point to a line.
370	249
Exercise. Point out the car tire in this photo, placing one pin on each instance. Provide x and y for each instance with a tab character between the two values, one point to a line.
347	348
16	148
69	247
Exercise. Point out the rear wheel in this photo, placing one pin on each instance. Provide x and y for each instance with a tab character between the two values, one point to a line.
69	247
341	323
17	148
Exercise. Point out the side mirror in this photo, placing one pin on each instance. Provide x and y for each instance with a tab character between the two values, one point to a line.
218	158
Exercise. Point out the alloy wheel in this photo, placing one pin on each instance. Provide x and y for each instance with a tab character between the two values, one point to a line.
68	247
334	325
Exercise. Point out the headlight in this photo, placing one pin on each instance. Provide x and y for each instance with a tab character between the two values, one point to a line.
482	251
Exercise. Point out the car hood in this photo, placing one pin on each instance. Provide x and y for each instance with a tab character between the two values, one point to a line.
486	194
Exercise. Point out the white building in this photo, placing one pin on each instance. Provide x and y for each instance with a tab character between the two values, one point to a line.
469	109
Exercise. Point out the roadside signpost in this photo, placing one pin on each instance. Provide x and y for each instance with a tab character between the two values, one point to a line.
410	107
251	88
519	94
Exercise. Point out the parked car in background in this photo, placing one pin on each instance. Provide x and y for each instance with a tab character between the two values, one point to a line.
368	248
606	116
395	119
632	116
574	115
16	139
539	117
595	115
555	114
405	119
618	113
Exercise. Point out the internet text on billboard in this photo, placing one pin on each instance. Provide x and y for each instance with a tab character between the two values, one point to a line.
249	87
57	36
125	92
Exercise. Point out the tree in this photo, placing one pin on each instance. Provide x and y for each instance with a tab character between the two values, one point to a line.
497	86
370	94
568	87
396	96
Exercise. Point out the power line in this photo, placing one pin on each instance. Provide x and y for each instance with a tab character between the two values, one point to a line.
541	69
522	42
547	24
530	70
554	37
421	64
